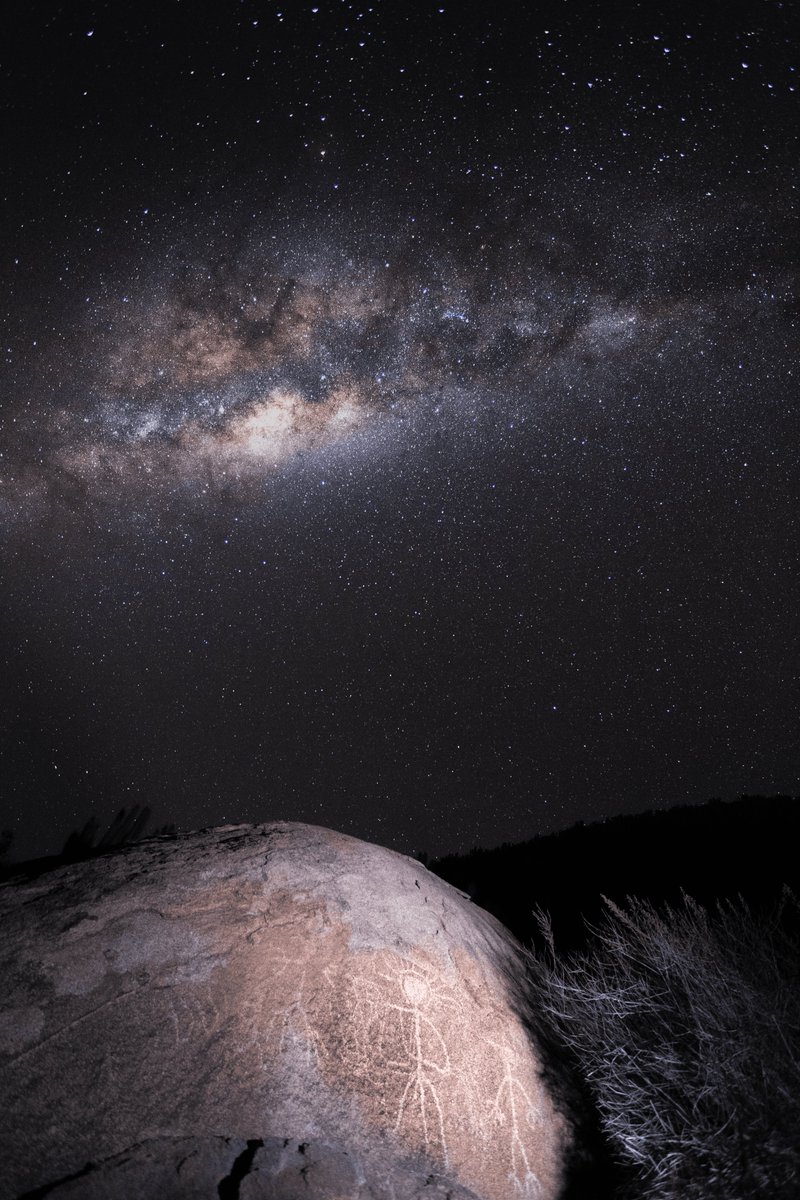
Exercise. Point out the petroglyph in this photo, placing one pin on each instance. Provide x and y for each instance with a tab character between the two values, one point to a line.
195	1016
396	1008
426	1048
515	1109
294	1031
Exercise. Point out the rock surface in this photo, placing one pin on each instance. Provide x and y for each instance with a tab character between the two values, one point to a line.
230	1168
275	1010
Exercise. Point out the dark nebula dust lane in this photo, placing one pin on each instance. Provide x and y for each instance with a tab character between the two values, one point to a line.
425	466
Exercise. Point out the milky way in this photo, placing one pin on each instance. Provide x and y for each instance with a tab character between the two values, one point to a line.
209	377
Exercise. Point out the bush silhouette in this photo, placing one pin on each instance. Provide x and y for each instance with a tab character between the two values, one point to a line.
127	826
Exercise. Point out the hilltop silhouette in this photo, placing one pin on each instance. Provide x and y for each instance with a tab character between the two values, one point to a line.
714	851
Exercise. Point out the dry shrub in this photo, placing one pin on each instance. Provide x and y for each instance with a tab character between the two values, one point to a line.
685	1024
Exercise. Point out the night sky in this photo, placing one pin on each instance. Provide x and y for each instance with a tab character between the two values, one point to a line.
399	413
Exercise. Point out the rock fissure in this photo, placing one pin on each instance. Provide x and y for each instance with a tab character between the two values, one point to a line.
72	1024
40	1192
228	1188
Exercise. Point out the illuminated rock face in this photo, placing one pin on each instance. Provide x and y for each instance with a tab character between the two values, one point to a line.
260	985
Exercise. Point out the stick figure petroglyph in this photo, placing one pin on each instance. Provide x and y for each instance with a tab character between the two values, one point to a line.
428	1060
513	1105
394	1007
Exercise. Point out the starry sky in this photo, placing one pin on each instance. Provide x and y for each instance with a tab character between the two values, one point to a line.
399	413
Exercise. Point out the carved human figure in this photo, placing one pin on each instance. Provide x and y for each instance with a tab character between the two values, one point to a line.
514	1108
